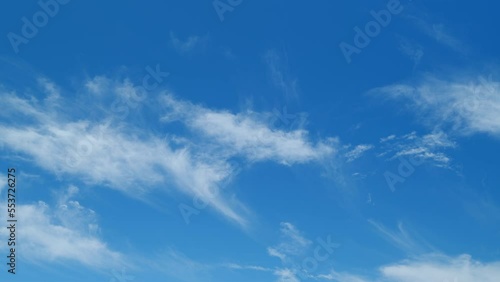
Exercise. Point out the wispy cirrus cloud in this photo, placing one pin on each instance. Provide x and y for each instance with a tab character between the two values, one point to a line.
357	152
424	262
104	148
179	266
247	134
279	72
411	49
402	239
440	33
460	103
293	250
430	148
293	243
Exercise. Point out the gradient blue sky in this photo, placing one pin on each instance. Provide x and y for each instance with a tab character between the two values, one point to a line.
235	140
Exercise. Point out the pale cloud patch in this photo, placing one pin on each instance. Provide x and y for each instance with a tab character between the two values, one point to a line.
411	49
286	275
357	152
440	33
187	45
51	90
97	84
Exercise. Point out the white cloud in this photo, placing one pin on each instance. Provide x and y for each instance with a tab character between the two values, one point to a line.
442	268
101	154
340	277
465	105
401	239
293	243
424	264
295	251
188	45
49	88
357	152
104	152
97	84
286	275
427	268
427	148
388	138
247	267
248	135
64	233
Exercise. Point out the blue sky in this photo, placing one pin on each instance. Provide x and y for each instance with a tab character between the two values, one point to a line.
236	140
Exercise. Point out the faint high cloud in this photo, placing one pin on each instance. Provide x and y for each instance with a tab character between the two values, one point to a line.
440	33
462	104
179	266
299	256
402	239
429	147
189	44
279	72
293	244
357	152
411	49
